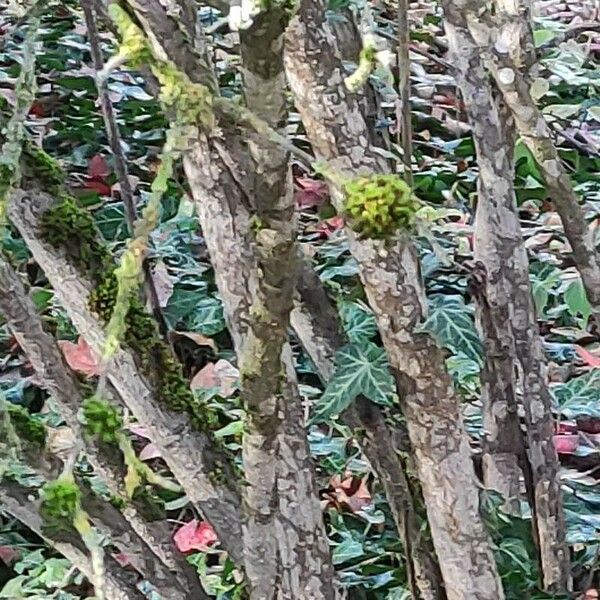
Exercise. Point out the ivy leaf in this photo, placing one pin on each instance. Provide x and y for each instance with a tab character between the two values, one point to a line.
182	303
579	396
207	317
359	370
347	550
577	301
358	321
450	322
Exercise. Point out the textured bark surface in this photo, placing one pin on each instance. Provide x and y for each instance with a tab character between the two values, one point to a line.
119	584
286	552
150	552
499	244
391	278
385	443
537	135
502	443
275	453
191	455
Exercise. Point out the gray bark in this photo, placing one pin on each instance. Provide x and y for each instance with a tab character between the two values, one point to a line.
385	441
499	243
287	553
537	136
118	583
391	279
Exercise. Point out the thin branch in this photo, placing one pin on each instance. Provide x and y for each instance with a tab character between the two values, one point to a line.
537	136
403	112
192	455
114	140
572	32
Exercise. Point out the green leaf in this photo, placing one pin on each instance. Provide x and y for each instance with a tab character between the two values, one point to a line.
577	301
579	396
359	370
358	321
450	322
347	550
111	222
14	588
181	303
207	317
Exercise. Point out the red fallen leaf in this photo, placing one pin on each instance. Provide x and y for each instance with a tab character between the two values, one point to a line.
588	358
98	167
330	226
9	555
195	535
37	110
311	192
149	452
98	186
80	357
123	559
565	444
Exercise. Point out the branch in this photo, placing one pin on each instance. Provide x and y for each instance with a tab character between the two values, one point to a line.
153	555
403	112
537	136
316	323
194	459
17	501
390	275
114	140
572	32
276	457
499	246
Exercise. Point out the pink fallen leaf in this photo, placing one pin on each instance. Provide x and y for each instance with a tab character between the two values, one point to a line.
565	444
330	226
80	357
9	555
123	559
149	452
222	375
140	431
195	535
310	192
588	358
98	167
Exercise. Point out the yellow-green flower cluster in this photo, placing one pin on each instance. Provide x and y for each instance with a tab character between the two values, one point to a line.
380	205
61	500
102	419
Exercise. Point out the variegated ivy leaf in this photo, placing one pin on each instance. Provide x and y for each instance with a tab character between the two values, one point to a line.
359	322
579	396
360	369
450	322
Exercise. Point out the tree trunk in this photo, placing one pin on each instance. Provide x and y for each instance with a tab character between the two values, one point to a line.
391	279
499	240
